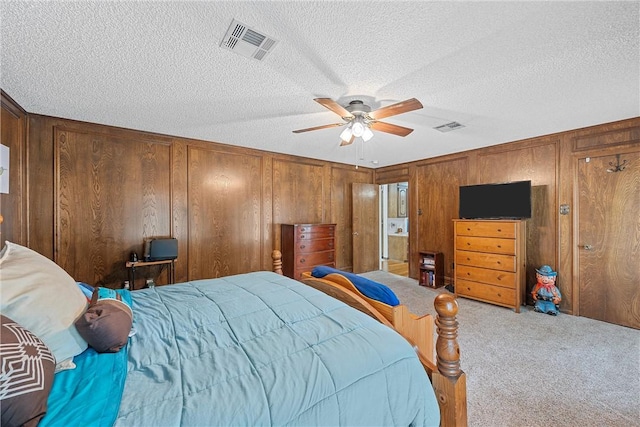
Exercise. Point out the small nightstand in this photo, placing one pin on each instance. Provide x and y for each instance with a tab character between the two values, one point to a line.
132	265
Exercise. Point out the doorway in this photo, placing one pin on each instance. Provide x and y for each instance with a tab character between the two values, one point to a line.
394	232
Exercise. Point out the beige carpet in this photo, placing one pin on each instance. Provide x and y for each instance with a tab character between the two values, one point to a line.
532	369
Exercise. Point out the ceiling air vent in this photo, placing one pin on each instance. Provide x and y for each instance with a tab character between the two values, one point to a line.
247	42
449	127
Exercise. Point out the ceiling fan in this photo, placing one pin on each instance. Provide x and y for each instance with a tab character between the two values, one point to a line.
360	119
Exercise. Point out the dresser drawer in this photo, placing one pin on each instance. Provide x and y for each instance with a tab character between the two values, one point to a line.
485	244
485	260
485	275
501	229
317	245
310	232
310	260
484	292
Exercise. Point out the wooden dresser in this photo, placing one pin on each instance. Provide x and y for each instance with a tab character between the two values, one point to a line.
305	246
490	261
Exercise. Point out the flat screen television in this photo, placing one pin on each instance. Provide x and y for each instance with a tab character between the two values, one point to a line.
511	200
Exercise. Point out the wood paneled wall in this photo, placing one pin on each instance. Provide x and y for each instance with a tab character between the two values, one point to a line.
96	192
86	195
548	161
13	206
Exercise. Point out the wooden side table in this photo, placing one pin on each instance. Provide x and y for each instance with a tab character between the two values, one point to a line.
132	265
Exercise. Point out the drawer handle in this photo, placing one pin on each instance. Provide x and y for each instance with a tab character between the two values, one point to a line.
303	246
468	259
302	260
499	294
499	229
302	236
498	262
500	246
468	229
468	244
468	274
468	288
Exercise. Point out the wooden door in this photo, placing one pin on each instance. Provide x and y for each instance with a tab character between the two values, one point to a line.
366	227
608	236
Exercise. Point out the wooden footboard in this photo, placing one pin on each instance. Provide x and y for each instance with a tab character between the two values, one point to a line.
442	366
417	330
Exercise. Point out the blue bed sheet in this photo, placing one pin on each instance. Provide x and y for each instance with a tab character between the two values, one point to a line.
263	349
90	394
247	350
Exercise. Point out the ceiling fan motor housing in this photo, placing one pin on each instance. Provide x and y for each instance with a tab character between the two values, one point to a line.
358	108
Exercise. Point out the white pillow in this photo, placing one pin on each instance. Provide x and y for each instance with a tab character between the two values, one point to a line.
36	293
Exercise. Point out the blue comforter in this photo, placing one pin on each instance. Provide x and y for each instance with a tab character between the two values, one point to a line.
262	349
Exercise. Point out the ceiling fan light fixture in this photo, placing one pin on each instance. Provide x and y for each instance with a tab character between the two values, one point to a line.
346	134
358	128
367	134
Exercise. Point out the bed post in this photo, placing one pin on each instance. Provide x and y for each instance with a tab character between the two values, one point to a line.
449	382
276	255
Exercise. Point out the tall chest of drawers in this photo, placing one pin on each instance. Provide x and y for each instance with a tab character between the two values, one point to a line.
305	246
490	261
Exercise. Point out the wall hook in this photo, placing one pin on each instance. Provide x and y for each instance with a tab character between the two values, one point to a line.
618	167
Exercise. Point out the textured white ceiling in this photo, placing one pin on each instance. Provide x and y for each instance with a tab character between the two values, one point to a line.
505	70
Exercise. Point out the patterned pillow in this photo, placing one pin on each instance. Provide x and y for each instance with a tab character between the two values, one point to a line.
26	377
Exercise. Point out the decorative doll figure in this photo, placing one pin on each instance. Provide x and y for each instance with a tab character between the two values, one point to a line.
545	294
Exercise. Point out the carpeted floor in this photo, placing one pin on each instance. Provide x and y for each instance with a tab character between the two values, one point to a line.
532	369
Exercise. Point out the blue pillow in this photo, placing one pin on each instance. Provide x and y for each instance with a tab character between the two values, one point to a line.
367	287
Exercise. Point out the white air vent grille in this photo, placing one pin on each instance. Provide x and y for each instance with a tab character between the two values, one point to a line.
253	38
247	42
449	127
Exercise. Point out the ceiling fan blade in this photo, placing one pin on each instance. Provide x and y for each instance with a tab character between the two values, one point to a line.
333	125
350	141
399	108
389	128
334	106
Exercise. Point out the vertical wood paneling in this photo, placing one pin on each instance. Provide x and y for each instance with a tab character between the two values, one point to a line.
111	193
268	227
179	203
438	201
293	189
225	213
538	164
342	180
13	206
564	232
298	189
41	185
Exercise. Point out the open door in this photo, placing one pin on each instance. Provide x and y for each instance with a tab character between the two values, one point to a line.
366	227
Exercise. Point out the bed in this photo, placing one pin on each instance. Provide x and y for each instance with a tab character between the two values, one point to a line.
249	349
441	361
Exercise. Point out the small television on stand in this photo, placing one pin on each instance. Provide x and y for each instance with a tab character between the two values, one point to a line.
510	200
